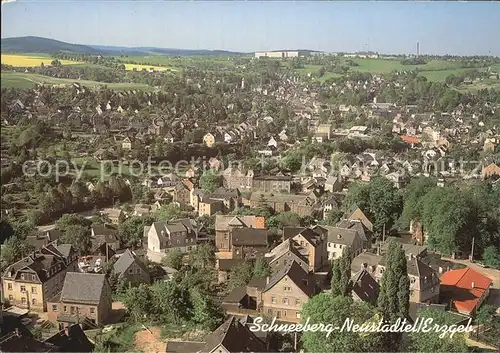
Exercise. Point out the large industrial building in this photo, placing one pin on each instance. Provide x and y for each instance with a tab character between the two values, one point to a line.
279	54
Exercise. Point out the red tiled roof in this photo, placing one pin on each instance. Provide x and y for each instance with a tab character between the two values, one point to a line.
410	139
465	296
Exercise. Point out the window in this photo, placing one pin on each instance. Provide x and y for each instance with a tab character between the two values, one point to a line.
130	270
9	286
273	300
188	248
22	275
33	277
333	255
138	271
23	289
298	315
287	289
297	301
269	311
284	312
65	308
33	290
33	301
54	308
23	300
11	298
285	301
92	310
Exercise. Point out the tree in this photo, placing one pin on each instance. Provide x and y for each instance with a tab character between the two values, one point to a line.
139	302
132	230
206	313
79	237
385	203
210	181
491	257
14	249
484	316
240	275
413	196
341	274
168	212
327	309
202	257
394	297
68	220
430	341
172	302
173	259
261	268
293	161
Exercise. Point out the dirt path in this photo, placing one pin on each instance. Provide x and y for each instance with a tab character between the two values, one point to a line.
146	341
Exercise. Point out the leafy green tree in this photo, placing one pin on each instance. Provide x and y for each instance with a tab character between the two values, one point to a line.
169	212
132	230
385	203
485	316
240	275
394	297
173	259
14	249
172	302
491	256
413	197
293	161
210	181
431	342
261	268
341	274
79	237
206	313
139	302
202	257
327	309
68	220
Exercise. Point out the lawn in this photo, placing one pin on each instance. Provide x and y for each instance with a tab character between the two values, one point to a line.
139	67
27	80
32	60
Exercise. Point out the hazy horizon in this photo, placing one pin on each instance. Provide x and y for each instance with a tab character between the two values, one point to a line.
455	28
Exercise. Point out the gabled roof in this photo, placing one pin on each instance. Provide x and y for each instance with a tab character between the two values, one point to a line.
365	286
234	337
297	275
249	237
85	288
466	287
126	260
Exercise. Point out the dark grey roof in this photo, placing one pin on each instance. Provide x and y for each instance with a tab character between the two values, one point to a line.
249	237
290	232
228	264
126	260
339	235
365	260
365	287
234	337
104	229
83	287
236	295
184	346
297	274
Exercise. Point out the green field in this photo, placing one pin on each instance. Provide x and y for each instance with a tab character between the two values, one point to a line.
27	80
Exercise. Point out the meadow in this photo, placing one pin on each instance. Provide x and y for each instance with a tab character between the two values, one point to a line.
139	67
31	60
28	80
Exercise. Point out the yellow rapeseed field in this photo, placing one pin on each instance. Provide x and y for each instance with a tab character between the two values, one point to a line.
130	67
31	61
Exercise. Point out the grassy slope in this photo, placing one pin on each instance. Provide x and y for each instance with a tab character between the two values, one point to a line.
28	80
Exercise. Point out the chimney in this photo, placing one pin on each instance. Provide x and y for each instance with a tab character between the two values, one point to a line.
364	265
267	280
17	332
472	284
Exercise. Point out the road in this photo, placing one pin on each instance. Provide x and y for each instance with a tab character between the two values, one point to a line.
47	227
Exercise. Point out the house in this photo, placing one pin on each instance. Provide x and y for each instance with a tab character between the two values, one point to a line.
43	239
100	253
277	183
142	210
235	178
355	213
365	261
424	281
115	215
312	244
272	143
286	292
285	253
341	238
224	268
182	192
333	183
247	243
465	290
164	236
411	250
224	225
231	337
85	299
365	234
303	205
490	144
491	171
130	268
127	144
325	130
105	233
32	281
208	206
364	287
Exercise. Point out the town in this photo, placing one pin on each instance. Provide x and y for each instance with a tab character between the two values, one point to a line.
170	202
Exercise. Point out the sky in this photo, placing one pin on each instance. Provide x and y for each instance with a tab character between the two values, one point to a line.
460	28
